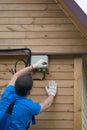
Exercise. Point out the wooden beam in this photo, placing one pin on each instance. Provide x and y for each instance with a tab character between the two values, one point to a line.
61	50
78	93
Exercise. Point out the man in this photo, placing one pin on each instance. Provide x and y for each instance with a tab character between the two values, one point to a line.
16	109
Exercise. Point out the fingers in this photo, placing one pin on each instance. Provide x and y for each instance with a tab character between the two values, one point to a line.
43	62
52	84
51	89
49	83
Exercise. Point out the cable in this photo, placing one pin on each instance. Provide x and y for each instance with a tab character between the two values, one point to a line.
27	62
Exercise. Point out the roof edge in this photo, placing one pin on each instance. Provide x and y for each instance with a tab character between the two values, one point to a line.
73	17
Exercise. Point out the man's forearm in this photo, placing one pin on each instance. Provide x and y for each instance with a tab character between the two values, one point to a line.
21	72
47	103
38	64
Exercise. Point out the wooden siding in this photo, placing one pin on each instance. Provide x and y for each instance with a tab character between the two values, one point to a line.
40	25
61	69
69	12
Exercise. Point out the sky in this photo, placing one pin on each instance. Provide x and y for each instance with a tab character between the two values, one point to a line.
82	4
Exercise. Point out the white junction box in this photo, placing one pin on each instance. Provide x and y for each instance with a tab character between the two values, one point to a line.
36	58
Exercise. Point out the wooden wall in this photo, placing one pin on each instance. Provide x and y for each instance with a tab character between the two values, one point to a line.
73	16
43	26
40	25
60	116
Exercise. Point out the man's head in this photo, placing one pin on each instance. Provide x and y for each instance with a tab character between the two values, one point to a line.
23	85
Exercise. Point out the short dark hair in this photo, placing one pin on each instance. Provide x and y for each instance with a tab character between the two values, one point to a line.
23	84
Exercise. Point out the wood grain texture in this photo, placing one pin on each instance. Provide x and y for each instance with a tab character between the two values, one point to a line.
78	83
39	25
60	115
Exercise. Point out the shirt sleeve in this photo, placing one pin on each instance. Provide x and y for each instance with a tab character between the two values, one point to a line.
36	108
8	92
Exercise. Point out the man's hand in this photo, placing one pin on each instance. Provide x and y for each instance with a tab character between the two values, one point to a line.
39	64
52	88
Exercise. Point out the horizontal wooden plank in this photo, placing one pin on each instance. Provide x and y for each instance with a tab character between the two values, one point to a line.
51	50
5	75
61	68
57	34
53	60
10	59
55	75
53	7
41	91
16	20
52	20
36	96
28	7
41	84
55	116
60	75
57	106
67	99
19	14
23	7
58	49
61	83
53	124
26	1
50	76
7	68
61	107
63	27
43	42
60	60
60	91
65	91
12	35
57	68
40	35
34	21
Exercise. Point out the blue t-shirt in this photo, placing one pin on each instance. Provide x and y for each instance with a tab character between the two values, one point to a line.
23	109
